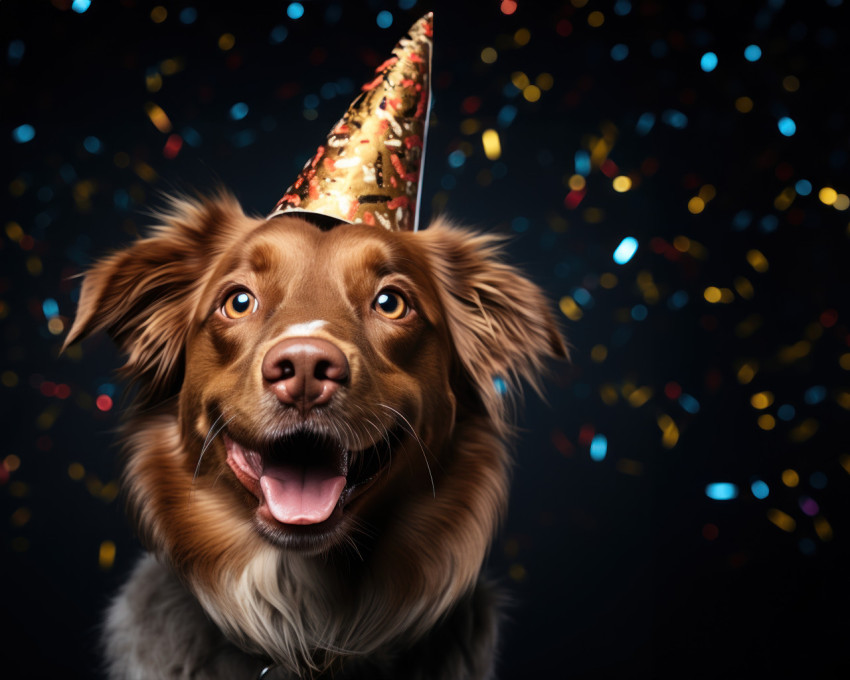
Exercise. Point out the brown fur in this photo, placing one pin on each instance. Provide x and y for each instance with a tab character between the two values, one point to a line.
363	596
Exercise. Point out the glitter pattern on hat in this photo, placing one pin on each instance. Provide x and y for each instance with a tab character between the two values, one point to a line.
368	168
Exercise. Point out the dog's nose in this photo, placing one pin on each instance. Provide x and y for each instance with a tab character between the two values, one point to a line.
305	372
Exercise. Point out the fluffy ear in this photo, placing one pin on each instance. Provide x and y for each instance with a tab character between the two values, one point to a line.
501	323
145	295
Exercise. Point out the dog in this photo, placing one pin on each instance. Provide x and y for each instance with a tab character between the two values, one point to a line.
317	450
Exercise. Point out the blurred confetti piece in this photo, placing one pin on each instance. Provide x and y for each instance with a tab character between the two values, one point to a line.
781	519
492	145
823	529
669	431
158	117
106	555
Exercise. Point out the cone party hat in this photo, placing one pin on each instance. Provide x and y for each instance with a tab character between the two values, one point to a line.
367	171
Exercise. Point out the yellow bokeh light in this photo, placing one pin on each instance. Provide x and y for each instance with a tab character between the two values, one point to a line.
791	83
823	529
153	82
844	361
489	55
469	126
158	117
682	243
520	80
842	202
696	205
608	395
593	215
640	396
599	353
761	400
785	199
609	281
747	372
595	19
781	519
55	326
712	294
707	192
106	555
744	104
159	14
14	231
757	261
804	430
577	182
766	421
669	431
531	93
522	36
171	66
744	287
570	308
790	478
622	183
544	81
76	471
491	143
226	42
828	195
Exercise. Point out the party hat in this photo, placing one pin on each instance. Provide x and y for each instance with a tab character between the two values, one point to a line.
368	168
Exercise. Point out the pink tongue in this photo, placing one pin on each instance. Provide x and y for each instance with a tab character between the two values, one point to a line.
298	495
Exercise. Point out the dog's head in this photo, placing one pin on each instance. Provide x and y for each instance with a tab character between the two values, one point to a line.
315	379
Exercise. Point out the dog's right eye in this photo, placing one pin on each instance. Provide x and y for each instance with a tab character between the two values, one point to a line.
239	304
390	304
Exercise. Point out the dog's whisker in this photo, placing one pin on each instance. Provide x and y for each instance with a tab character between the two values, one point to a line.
418	441
209	432
208	442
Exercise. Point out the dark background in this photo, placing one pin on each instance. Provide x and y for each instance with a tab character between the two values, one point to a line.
620	566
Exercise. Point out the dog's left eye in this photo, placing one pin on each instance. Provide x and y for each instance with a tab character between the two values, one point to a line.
391	304
239	304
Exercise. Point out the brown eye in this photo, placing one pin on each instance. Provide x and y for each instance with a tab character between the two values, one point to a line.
390	304
239	305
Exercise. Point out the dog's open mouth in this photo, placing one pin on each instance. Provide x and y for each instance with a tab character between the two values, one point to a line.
303	478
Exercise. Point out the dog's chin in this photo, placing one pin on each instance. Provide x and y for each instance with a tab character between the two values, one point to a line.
305	485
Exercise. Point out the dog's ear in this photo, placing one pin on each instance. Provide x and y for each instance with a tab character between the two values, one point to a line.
145	295
501	323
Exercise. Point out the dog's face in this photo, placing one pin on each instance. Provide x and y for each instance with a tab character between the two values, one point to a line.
301	390
318	367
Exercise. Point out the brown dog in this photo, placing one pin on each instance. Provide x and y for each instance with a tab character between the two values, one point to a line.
316	452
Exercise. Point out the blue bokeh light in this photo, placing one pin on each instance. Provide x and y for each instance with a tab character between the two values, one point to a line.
787	126
238	111
760	489
626	250
384	19
23	133
92	144
708	62
457	158
619	52
752	53
599	447
50	308
188	15
721	491
295	10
